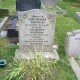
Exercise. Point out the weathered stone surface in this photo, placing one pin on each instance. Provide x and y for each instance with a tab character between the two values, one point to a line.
24	5
72	46
36	29
49	2
32	55
36	34
78	16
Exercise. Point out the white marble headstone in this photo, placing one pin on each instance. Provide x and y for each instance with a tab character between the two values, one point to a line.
36	32
72	46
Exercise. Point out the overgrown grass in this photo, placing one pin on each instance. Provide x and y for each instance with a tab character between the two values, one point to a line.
63	25
36	69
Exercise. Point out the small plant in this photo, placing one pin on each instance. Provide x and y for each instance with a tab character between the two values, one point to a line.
36	69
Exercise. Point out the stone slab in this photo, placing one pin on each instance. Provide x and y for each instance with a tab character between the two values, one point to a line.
75	67
48	2
32	55
36	30
24	5
72	45
78	16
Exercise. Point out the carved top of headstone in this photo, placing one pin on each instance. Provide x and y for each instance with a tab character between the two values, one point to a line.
36	30
24	5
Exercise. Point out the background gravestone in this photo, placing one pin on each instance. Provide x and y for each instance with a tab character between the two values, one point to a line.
49	2
24	5
72	46
78	16
36	31
21	5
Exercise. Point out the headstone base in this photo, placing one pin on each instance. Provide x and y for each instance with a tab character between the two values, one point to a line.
32	55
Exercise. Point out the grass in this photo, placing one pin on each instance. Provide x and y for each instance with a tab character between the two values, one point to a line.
70	9
52	9
78	61
64	24
8	4
36	69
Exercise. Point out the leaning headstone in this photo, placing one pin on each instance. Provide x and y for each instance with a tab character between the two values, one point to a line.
78	16
36	33
49	2
72	46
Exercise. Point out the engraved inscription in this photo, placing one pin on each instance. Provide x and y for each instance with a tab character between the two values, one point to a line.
37	30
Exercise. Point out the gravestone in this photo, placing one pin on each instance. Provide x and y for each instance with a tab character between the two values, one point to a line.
72	46
49	2
78	16
21	5
24	5
36	33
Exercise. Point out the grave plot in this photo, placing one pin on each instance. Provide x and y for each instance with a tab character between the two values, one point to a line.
63	67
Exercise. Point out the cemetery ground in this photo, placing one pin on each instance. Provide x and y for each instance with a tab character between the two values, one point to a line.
64	24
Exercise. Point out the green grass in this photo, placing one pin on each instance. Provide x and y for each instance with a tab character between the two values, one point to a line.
70	9
78	1
52	9
8	4
64	24
78	61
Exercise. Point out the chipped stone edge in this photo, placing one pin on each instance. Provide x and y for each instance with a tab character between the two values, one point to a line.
75	67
